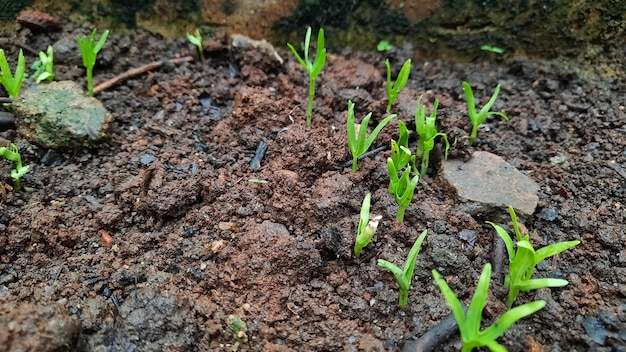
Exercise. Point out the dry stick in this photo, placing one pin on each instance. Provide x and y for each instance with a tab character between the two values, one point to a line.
138	71
434	337
6	100
498	255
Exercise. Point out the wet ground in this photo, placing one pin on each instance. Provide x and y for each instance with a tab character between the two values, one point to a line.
158	240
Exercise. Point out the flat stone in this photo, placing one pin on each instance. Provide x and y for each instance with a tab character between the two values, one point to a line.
60	115
487	181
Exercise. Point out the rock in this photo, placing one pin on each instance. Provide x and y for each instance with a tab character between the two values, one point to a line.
38	21
60	115
487	181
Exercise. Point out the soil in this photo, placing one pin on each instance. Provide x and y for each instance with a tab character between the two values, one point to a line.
159	239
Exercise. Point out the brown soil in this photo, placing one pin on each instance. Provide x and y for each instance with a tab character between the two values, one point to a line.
194	241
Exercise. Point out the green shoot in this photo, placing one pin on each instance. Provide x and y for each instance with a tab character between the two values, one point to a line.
313	68
362	144
394	89
89	50
400	152
44	67
12	83
523	262
469	324
367	228
401	188
404	276
197	41
384	45
427	131
13	155
478	118
492	49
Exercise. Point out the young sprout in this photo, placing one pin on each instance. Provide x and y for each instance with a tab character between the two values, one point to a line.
492	49
12	83
313	68
400	152
523	262
404	276
89	50
197	41
478	118
401	188
13	155
427	131
394	89
44	67
362	144
367	228
469	324
384	45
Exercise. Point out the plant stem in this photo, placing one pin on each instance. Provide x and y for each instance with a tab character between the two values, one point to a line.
425	158
389	105
400	215
403	298
90	81
354	165
309	110
473	134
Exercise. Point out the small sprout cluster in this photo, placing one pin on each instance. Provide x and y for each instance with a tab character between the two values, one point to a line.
522	262
12	154
401	187
12	83
89	50
427	131
313	68
478	118
196	39
393	90
44	67
367	228
359	142
469	324
405	275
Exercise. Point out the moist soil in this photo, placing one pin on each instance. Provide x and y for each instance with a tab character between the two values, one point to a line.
162	237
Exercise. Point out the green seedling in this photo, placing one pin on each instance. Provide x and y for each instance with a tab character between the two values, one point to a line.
478	118
238	330
405	275
400	152
394	89
469	324
401	187
196	39
522	262
313	68
367	228
492	49
12	83
384	45
44	67
12	154
427	132
89	50
362	144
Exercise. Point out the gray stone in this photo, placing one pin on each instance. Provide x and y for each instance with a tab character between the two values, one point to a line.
60	115
487	181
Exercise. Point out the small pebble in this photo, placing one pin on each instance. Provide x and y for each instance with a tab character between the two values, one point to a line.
146	159
549	214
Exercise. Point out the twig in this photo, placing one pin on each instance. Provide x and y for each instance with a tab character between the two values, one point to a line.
498	255
6	100
138	71
365	155
434	337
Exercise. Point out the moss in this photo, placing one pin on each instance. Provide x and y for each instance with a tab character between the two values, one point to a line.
10	8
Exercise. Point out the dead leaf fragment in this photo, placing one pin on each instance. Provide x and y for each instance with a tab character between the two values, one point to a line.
105	239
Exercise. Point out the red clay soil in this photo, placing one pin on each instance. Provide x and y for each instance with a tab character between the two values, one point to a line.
151	242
